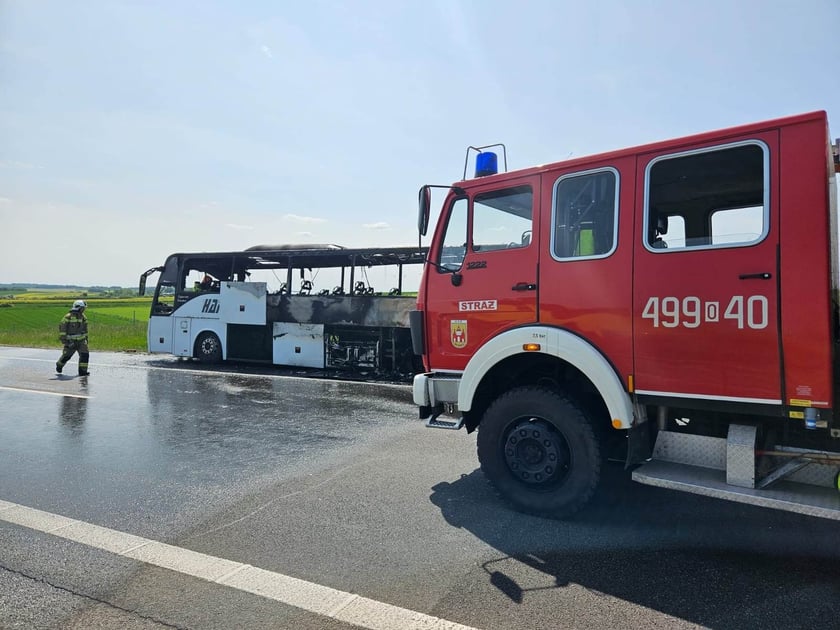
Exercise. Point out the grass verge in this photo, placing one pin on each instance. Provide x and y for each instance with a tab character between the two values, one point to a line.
115	324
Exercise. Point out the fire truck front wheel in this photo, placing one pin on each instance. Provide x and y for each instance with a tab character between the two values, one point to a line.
208	348
539	451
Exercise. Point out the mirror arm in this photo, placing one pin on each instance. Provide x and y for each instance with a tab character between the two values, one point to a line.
440	267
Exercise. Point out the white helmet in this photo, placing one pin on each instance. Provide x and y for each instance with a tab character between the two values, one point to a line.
78	304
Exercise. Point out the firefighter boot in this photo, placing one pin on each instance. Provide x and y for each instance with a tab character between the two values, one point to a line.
83	363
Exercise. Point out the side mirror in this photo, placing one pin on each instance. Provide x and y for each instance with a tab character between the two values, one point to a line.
142	289
423	210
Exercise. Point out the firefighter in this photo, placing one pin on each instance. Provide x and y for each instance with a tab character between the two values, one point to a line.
73	334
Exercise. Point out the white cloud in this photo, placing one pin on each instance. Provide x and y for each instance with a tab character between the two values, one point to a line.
305	234
237	226
299	219
5	200
379	225
267	51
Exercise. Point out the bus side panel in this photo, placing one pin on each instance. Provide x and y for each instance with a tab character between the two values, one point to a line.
243	302
159	333
300	345
182	342
806	265
249	343
368	310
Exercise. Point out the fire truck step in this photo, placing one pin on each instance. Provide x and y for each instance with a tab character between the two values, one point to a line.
784	495
434	423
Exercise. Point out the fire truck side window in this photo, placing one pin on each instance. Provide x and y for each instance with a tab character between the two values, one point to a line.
502	219
454	246
711	198
585	219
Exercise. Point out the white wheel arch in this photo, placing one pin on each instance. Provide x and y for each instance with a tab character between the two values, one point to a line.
556	343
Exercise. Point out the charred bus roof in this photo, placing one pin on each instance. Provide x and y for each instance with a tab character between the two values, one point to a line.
225	264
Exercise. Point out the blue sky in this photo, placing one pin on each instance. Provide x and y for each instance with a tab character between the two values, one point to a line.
130	130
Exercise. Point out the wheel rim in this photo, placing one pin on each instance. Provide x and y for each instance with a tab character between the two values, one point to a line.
536	453
208	346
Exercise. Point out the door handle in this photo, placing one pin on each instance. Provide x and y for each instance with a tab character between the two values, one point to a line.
755	276
524	286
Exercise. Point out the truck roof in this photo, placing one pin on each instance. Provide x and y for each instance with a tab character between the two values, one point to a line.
674	143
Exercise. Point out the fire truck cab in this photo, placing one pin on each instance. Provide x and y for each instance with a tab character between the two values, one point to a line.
677	299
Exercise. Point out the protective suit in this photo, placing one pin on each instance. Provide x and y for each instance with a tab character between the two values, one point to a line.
73	334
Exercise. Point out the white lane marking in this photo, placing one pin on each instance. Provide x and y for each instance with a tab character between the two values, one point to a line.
215	373
40	391
321	600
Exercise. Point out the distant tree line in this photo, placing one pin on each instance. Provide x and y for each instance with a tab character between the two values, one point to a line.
19	287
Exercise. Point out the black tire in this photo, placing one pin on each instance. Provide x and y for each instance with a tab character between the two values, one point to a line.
208	348
538	450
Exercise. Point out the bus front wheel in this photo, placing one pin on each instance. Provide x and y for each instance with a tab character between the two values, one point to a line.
208	348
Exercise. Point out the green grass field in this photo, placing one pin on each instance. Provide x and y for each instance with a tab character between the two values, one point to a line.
116	324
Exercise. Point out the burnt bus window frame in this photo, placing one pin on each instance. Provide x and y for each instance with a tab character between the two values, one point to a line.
555	226
648	235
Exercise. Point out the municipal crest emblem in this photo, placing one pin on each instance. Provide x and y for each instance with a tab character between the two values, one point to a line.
458	332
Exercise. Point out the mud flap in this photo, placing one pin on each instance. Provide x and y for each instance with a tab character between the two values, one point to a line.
638	444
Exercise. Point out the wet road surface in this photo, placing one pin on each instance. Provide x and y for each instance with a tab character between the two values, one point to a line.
337	484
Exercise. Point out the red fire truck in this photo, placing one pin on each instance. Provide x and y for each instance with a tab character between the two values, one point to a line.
676	300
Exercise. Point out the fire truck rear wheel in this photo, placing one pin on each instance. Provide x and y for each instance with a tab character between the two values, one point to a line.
539	451
208	348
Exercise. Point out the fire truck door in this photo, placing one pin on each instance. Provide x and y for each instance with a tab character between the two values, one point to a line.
706	304
485	275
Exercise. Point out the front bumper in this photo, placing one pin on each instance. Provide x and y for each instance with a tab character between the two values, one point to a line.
432	389
436	394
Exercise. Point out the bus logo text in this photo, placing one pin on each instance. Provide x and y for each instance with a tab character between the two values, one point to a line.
211	305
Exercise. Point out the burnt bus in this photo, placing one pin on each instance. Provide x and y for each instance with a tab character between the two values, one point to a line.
310	306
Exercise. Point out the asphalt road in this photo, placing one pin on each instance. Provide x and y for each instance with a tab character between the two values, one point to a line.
319	483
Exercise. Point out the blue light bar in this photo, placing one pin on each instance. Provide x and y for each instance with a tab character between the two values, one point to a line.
486	163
